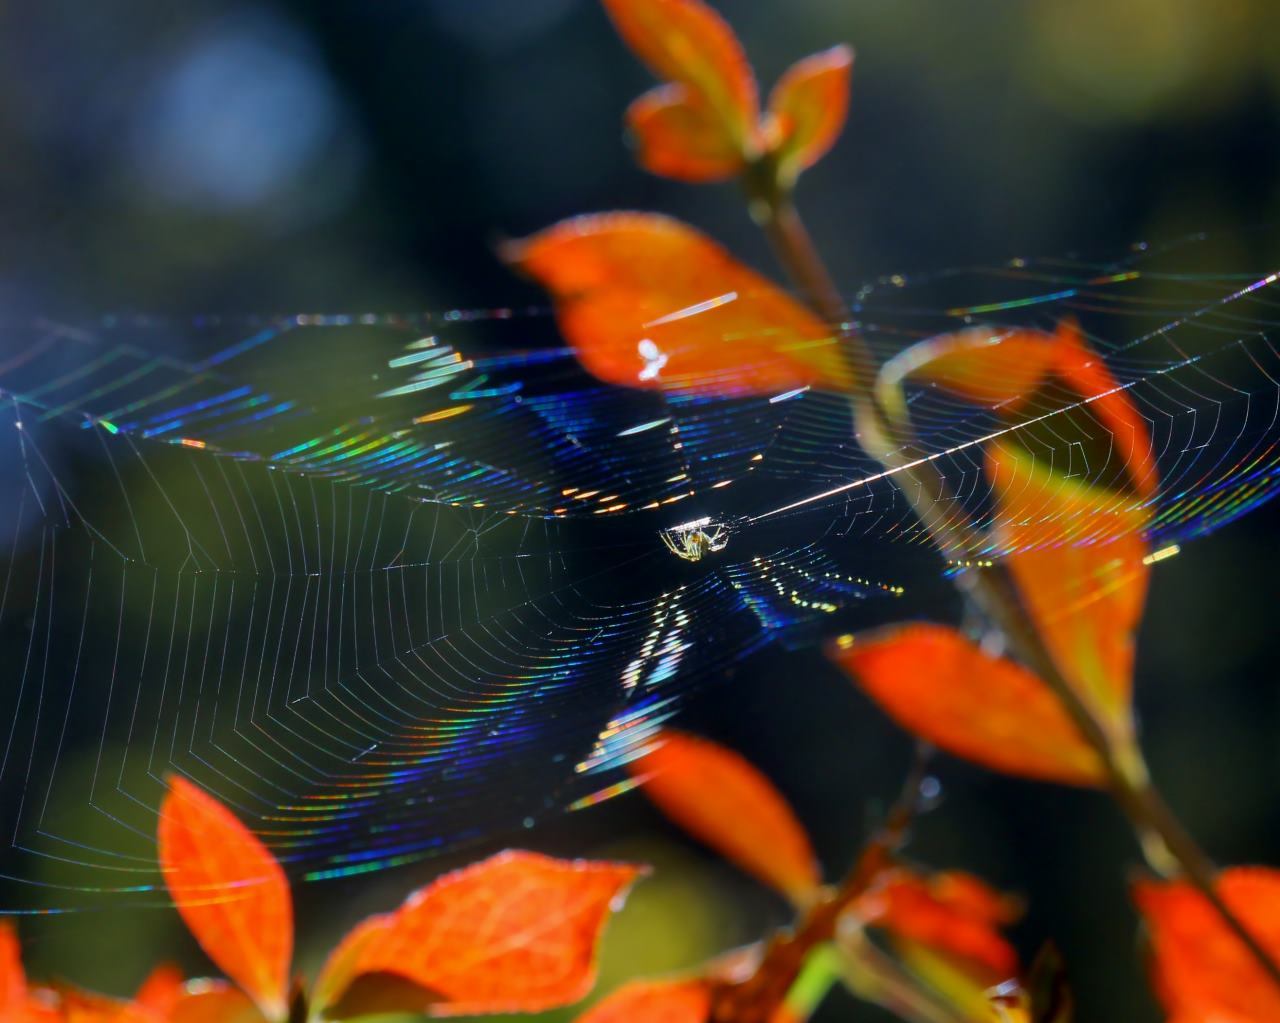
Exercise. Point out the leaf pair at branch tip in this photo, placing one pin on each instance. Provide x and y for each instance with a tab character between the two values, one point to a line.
705	123
515	933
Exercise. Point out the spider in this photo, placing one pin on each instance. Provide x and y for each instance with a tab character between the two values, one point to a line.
694	539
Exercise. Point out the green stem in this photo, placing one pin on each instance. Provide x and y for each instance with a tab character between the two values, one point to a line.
1155	825
820	973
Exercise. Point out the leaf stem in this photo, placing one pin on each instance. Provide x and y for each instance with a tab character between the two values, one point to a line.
876	977
1162	836
795	249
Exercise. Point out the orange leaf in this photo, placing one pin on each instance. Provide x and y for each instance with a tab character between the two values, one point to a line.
945	689
1078	547
687	42
1074	546
1078	564
1202	972
951	913
684	1001
160	991
230	891
807	110
214	1001
721	799
1086	374
1007	369
647	301
514	933
984	365
677	136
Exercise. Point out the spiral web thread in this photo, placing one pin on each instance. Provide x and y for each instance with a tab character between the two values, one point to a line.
386	584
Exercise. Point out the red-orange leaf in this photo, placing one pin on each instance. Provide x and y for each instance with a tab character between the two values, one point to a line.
1084	372
682	1001
984	365
945	689
676	135
1074	544
1078	560
685	41
721	799
807	110
230	891
1201	971
649	302
1007	369
952	913
514	933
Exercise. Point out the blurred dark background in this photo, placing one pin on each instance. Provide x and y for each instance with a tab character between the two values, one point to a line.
278	156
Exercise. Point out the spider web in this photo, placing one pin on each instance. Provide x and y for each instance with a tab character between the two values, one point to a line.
385	584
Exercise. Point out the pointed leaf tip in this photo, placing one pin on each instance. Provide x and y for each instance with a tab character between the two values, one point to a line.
514	933
945	689
720	798
230	891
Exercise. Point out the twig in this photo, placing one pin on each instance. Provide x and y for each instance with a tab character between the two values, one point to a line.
755	999
991	589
